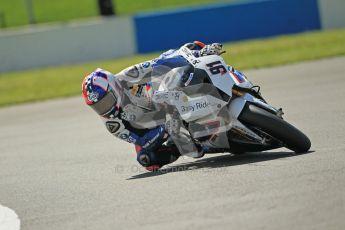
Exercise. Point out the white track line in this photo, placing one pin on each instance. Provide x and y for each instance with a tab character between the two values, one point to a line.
8	219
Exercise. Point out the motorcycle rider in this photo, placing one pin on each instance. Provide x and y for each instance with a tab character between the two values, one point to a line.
124	102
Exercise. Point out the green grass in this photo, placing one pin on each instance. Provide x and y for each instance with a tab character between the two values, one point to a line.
15	13
41	84
130	7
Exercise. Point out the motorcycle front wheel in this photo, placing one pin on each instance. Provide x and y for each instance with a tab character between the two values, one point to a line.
275	126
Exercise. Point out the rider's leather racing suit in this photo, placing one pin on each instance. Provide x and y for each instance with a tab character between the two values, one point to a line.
136	104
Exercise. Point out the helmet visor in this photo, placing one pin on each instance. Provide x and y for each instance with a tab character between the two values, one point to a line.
105	105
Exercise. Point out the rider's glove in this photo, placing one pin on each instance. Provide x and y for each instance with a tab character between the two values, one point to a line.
213	49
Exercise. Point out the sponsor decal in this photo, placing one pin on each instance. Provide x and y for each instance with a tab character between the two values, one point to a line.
216	68
191	75
160	96
151	141
124	136
127	137
146	64
132	72
195	61
124	115
93	96
177	96
201	105
187	52
112	126
189	56
238	77
128	116
197	106
187	108
132	117
131	139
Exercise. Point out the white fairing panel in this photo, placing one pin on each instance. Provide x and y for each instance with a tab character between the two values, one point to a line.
236	106
190	108
220	76
223	77
216	68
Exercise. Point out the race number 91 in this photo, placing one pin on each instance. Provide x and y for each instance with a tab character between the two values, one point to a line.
216	67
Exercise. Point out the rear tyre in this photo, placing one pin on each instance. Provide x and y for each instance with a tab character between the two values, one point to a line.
276	127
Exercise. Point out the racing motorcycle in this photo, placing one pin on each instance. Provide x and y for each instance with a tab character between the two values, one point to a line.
221	109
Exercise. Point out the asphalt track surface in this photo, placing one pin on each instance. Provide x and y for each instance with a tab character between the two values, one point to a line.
61	169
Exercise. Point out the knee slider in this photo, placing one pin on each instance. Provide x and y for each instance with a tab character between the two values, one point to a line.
145	159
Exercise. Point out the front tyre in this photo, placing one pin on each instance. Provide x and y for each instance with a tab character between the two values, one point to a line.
276	127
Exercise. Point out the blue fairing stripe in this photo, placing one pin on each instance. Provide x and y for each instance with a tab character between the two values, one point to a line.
171	62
